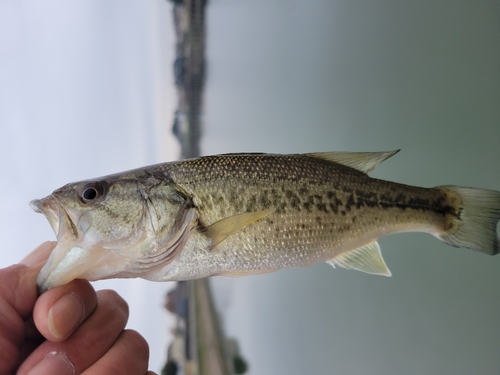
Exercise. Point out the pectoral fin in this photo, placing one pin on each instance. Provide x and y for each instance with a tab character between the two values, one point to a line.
222	229
365	259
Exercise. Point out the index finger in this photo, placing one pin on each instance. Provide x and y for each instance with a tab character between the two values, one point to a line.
18	294
18	282
39	255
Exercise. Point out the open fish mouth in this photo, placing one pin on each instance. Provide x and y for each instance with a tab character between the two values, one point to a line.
50	208
62	264
61	222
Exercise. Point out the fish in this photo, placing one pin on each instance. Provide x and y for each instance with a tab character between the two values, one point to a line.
251	213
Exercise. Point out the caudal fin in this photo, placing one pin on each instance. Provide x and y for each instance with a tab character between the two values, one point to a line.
475	227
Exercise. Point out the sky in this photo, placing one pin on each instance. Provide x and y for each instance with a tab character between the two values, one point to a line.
87	90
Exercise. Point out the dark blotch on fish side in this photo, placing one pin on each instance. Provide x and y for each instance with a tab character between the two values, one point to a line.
350	202
251	205
321	207
281	209
303	191
233	196
307	206
264	200
335	202
218	200
236	200
334	208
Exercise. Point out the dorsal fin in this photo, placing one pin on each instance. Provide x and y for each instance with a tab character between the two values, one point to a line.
365	259
362	161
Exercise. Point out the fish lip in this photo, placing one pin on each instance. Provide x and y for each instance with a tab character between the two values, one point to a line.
50	208
59	219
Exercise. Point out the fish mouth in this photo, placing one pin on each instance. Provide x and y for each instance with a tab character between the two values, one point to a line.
65	261
62	224
48	206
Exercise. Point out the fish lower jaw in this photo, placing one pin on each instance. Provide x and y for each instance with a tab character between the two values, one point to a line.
63	266
67	263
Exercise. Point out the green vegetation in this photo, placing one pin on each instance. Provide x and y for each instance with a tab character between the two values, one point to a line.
240	365
170	368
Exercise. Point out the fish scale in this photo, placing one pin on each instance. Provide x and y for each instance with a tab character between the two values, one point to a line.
321	196
243	214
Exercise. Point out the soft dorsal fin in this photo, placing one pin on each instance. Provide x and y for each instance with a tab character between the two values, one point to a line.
365	259
221	229
362	161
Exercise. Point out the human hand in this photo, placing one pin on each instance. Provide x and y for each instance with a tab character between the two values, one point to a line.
70	329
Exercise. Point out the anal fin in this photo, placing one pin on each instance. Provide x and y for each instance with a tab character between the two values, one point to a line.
365	259
222	229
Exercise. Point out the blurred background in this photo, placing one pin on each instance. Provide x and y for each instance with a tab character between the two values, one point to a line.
87	88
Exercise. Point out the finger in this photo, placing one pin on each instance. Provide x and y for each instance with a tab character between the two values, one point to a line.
128	356
89	342
18	282
33	339
59	311
39	255
18	293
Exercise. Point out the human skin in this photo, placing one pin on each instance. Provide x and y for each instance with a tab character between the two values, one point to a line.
71	329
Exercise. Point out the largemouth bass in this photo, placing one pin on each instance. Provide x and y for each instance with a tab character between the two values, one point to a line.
243	214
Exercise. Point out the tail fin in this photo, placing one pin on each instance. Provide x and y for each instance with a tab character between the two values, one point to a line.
476	225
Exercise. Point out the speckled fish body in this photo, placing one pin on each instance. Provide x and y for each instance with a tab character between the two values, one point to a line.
240	214
319	211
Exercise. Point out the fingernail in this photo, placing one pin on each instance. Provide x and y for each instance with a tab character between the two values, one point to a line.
65	315
54	363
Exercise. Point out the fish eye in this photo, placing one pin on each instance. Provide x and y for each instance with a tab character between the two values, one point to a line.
91	192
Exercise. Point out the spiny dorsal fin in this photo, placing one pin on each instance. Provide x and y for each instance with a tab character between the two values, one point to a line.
362	161
221	229
365	259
